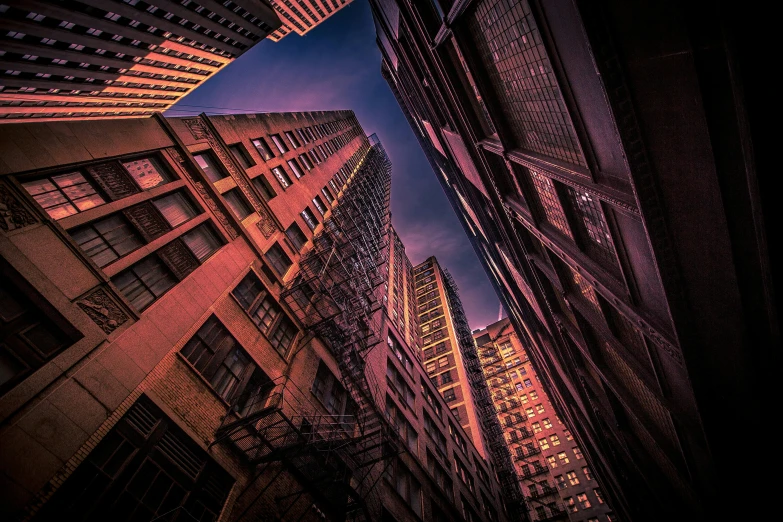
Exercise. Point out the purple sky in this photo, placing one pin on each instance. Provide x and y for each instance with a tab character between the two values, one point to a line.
337	66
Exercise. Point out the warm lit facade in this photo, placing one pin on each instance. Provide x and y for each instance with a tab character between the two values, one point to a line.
603	158
401	297
441	353
192	324
117	59
555	478
300	16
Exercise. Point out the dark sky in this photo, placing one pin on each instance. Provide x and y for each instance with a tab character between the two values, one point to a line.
337	66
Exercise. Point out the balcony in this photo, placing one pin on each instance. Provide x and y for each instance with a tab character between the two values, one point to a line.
529	452
529	474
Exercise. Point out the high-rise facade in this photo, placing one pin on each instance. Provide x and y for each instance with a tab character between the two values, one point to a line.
400	298
601	159
80	59
193	327
556	480
301	16
441	350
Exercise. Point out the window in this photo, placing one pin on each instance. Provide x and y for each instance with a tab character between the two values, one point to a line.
237	203
442	478
209	166
241	155
176	208
264	188
283	335
443	361
202	241
406	485
254	298
529	412
319	205
64	194
578	453
328	195
399	386
29	336
163	472
519	386
445	377
281	177
563	457
262	148
292	139
309	218
528	384
146	172
401	424
570	504
145	282
279	143
555	440
328	389
572	478
539	408
396	348
464	474
294	166
552	461
217	356
543	443
599	495
108	239
523	398
306	161
548	424
568	435
278	259
449	395
583	501
296	236
587	473
533	395
561	482
536	427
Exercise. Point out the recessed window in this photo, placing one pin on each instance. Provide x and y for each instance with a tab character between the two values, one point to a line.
263	187
294	166
241	155
292	139
29	336
108	239
583	501
278	259
279	143
281	177
219	358
306	161
202	241
65	194
263	148
328	195
209	167
283	335
296	236
309	218
176	208
238	204
145	282
319	205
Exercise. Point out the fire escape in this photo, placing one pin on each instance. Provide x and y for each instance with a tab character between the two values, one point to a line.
493	432
338	460
539	503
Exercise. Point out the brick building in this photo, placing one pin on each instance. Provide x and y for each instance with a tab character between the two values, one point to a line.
557	481
606	160
77	59
192	325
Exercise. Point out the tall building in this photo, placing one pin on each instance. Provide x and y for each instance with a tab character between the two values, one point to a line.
442	353
452	363
557	482
193	327
69	59
603	159
300	16
400	297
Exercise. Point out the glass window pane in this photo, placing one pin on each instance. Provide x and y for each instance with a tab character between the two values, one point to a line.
147	172
176	208
202	241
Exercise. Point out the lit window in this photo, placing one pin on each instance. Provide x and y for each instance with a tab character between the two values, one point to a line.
548	424
543	444
536	427
294	166
563	457
599	495
572	478
528	383
578	453
530	413
555	440
146	172
281	146
552	461
583	501
587	473
539	408
64	195
570	504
